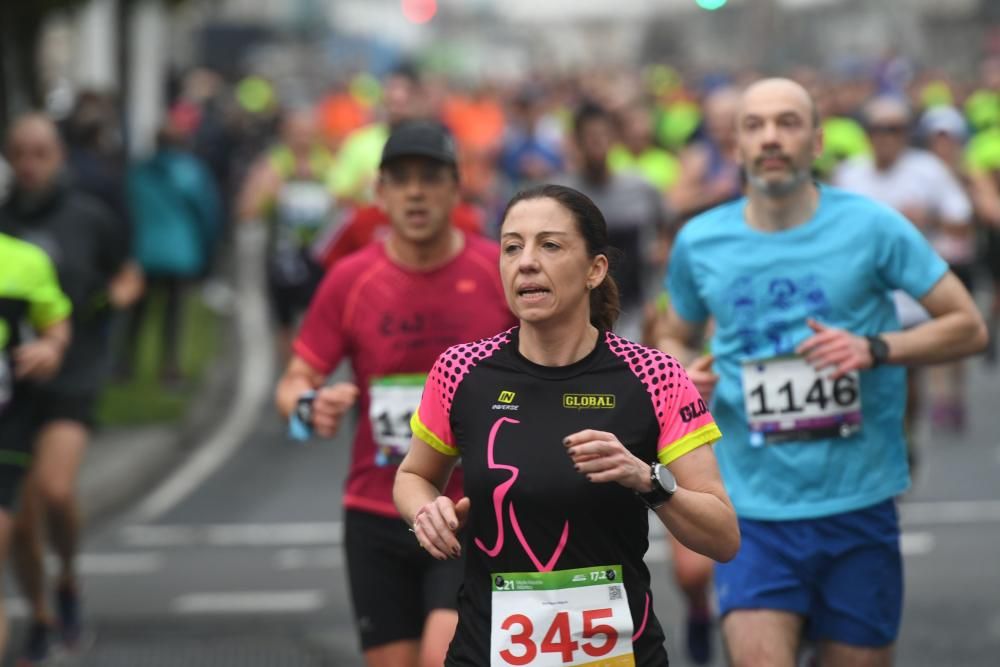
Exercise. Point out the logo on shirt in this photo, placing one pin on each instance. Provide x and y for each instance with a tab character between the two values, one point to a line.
589	401
693	410
505	400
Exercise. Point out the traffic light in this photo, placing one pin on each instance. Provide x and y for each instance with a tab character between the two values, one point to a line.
710	5
419	11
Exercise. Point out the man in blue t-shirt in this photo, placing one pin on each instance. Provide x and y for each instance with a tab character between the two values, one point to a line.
810	387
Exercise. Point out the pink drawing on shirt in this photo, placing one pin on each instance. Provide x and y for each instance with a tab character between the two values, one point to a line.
645	619
499	493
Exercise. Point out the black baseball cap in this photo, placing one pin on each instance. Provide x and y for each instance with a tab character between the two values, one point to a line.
420	138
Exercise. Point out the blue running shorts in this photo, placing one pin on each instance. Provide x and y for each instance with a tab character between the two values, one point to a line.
843	573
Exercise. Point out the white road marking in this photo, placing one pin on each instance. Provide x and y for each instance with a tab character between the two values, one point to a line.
248	602
911	544
949	512
115	564
916	544
309	559
16	608
234	535
253	386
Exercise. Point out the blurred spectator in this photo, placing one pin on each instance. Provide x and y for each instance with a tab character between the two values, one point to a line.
637	152
5	177
844	138
944	132
477	122
203	115
288	188
340	113
95	152
176	211
529	155
709	170
982	159
633	209
353	177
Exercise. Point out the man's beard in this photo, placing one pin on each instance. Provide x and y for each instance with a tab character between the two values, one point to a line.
780	188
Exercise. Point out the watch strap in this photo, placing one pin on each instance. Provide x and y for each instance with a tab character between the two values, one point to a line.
879	350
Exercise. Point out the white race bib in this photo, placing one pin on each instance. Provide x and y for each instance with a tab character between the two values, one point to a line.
304	205
394	399
561	619
786	399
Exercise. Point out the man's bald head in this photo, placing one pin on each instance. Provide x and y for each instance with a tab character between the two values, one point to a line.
778	136
34	151
781	90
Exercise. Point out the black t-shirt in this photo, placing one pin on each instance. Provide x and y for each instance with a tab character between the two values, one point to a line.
88	246
531	512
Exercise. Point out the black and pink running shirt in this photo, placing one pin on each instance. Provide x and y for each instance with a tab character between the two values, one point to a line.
536	525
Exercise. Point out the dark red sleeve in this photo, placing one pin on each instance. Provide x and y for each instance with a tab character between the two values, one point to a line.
322	340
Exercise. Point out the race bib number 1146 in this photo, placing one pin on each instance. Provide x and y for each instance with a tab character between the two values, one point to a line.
786	399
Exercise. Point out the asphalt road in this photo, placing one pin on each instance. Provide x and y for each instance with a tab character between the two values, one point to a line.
247	569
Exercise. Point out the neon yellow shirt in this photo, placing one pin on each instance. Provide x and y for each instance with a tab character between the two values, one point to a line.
655	165
27	278
353	177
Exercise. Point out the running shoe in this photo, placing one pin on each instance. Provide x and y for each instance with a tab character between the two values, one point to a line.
699	639
68	609
38	647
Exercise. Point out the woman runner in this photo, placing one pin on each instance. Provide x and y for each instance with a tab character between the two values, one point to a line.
566	433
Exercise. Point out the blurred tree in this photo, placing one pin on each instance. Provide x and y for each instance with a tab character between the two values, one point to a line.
21	23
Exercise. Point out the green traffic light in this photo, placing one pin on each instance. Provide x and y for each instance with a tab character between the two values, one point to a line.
711	5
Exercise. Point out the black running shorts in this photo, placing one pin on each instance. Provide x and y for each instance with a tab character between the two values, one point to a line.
395	584
17	431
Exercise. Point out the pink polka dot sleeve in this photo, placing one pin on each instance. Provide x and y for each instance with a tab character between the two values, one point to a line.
684	419
432	420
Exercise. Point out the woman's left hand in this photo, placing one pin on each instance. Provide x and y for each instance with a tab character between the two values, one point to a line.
603	458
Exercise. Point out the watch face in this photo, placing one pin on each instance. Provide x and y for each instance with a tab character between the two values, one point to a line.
666	479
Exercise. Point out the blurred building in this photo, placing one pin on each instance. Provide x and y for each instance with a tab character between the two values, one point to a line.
306	44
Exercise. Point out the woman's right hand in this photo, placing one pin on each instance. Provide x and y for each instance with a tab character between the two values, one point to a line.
436	525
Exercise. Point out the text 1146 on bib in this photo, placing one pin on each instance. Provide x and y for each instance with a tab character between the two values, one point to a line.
786	400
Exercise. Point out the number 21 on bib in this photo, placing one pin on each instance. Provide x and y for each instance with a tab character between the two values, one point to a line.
567	618
786	399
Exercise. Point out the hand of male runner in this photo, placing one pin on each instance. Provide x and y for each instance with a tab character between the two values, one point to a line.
841	349
702	376
37	360
330	405
603	458
436	524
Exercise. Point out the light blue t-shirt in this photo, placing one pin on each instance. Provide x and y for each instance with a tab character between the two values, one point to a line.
838	268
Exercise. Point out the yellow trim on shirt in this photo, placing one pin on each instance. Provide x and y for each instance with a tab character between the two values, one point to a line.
428	436
702	436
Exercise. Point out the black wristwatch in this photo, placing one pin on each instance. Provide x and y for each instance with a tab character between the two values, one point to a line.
664	486
879	350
